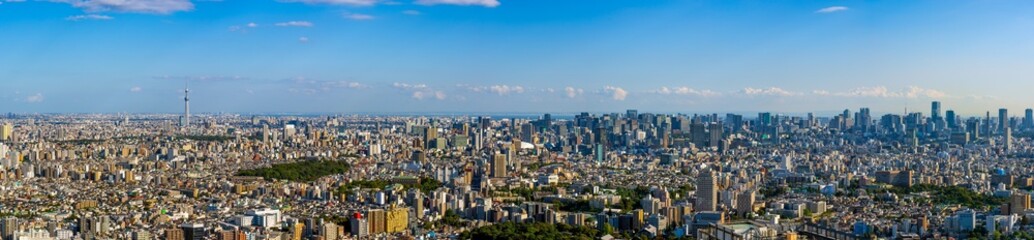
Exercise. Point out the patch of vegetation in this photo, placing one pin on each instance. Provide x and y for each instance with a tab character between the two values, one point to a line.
532	231
426	185
576	206
303	171
952	195
630	197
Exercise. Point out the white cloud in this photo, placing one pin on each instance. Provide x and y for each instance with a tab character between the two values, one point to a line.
497	89
88	17
252	25
420	91
883	92
294	24
832	9
35	98
310	86
408	86
572	92
357	16
411	12
484	3
135	89
616	93
303	39
336	2
688	91
134	6
421	95
914	92
772	91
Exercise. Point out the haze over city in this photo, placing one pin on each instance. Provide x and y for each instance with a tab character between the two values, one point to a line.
370	56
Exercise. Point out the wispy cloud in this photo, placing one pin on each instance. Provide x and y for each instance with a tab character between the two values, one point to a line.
411	12
133	6
483	3
832	9
294	24
303	39
771	91
884	92
496	89
616	93
420	91
687	91
88	17
312	86
35	98
358	16
336	2
135	89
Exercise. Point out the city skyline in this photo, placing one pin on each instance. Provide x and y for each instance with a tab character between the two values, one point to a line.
511	56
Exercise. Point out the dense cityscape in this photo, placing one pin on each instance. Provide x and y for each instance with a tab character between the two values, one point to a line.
516	120
624	175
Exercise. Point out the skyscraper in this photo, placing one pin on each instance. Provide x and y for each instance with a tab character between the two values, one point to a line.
706	192
1003	119
1028	118
935	110
950	117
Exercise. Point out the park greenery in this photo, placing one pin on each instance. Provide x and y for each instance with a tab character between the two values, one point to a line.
303	171
531	231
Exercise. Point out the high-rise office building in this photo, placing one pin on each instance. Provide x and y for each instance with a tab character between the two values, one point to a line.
706	192
1003	119
863	120
950	119
1028	118
714	132
935	110
632	113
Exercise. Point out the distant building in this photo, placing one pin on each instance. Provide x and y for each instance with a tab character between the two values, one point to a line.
706	192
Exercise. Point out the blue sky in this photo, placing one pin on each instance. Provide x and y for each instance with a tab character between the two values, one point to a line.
514	55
